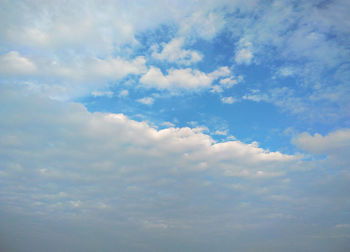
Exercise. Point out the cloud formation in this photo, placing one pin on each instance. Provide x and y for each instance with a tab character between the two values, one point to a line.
335	145
13	63
173	52
78	171
107	168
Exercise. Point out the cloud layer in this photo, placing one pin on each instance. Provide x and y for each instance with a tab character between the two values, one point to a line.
75	165
96	100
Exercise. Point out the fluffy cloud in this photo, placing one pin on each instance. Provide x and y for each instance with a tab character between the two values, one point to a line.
82	181
75	145
69	166
80	42
189	146
335	145
173	52
181	78
176	78
71	162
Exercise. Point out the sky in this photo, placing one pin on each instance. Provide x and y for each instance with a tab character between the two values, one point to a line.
174	125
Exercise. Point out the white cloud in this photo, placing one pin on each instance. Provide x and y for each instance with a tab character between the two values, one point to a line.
336	145
220	132
79	42
186	78
203	24
102	27
123	93
117	68
87	69
228	100
180	147
13	63
60	162
77	32
146	100
286	71
76	78
283	97
257	97
228	82
95	70
173	52
319	144
176	78
299	33
102	93
84	158
69	166
244	54
216	89
168	124
220	72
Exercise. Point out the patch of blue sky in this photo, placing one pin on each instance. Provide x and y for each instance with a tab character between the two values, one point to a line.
247	120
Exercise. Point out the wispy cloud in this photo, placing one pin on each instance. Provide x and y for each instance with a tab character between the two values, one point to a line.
146	100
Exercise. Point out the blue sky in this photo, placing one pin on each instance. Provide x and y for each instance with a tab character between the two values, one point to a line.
174	125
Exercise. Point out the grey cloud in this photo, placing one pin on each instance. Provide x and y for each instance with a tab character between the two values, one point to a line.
90	181
335	145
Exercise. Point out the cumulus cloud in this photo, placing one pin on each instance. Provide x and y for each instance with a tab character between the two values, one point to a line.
77	146
228	82
67	34
186	78
58	159
69	166
335	145
105	182
173	52
176	78
80	42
